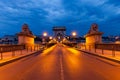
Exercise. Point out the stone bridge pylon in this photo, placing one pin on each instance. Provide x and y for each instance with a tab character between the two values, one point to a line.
93	36
26	36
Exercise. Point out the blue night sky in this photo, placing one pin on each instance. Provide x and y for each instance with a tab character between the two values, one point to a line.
76	15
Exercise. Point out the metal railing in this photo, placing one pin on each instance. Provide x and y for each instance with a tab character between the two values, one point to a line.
7	48
103	49
10	51
104	46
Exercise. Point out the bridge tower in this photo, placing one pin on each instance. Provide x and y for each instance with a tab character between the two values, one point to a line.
26	36
94	36
59	33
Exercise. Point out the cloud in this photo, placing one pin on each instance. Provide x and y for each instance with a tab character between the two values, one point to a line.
93	2
45	13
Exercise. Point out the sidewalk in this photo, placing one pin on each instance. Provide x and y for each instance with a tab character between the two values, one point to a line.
9	57
107	54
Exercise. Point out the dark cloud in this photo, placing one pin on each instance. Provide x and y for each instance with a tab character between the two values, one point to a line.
77	15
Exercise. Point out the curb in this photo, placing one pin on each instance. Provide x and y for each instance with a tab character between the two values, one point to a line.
90	53
18	58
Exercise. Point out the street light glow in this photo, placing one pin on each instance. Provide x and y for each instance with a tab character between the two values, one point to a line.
44	34
50	37
74	33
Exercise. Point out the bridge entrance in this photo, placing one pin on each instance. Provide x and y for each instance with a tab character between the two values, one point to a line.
59	33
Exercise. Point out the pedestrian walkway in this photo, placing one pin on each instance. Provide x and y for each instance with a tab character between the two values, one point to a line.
7	56
110	54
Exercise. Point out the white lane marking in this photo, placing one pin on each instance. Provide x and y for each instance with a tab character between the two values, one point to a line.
61	68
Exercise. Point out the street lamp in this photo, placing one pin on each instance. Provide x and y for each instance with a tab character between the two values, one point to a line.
44	39
44	34
74	33
74	38
50	37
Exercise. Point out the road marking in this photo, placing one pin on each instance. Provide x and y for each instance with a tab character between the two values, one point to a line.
61	68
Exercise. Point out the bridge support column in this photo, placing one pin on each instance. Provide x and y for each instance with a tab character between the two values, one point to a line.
93	37
26	37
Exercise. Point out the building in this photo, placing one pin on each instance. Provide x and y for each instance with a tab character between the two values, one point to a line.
9	39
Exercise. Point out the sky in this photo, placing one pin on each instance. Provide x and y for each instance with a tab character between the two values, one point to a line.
76	15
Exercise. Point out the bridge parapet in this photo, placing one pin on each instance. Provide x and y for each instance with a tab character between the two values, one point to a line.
106	46
8	48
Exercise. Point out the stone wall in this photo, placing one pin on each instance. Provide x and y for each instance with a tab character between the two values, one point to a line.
26	40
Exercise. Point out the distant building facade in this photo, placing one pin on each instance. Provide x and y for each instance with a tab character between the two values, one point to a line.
9	39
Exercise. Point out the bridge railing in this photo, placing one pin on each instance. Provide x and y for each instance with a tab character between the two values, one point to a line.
7	48
11	51
102	49
104	46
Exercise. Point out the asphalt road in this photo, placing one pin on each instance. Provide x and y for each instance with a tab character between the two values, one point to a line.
60	63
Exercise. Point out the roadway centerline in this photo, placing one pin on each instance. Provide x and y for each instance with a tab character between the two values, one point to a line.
61	67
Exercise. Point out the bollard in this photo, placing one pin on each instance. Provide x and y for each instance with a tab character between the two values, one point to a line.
37	48
13	53
85	47
95	49
1	55
89	48
113	52
27	49
102	52
21	51
34	48
31	49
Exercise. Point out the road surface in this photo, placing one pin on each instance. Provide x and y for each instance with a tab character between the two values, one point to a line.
60	63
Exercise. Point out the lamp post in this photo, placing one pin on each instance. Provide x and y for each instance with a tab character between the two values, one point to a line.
50	37
44	39
74	34
45	34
